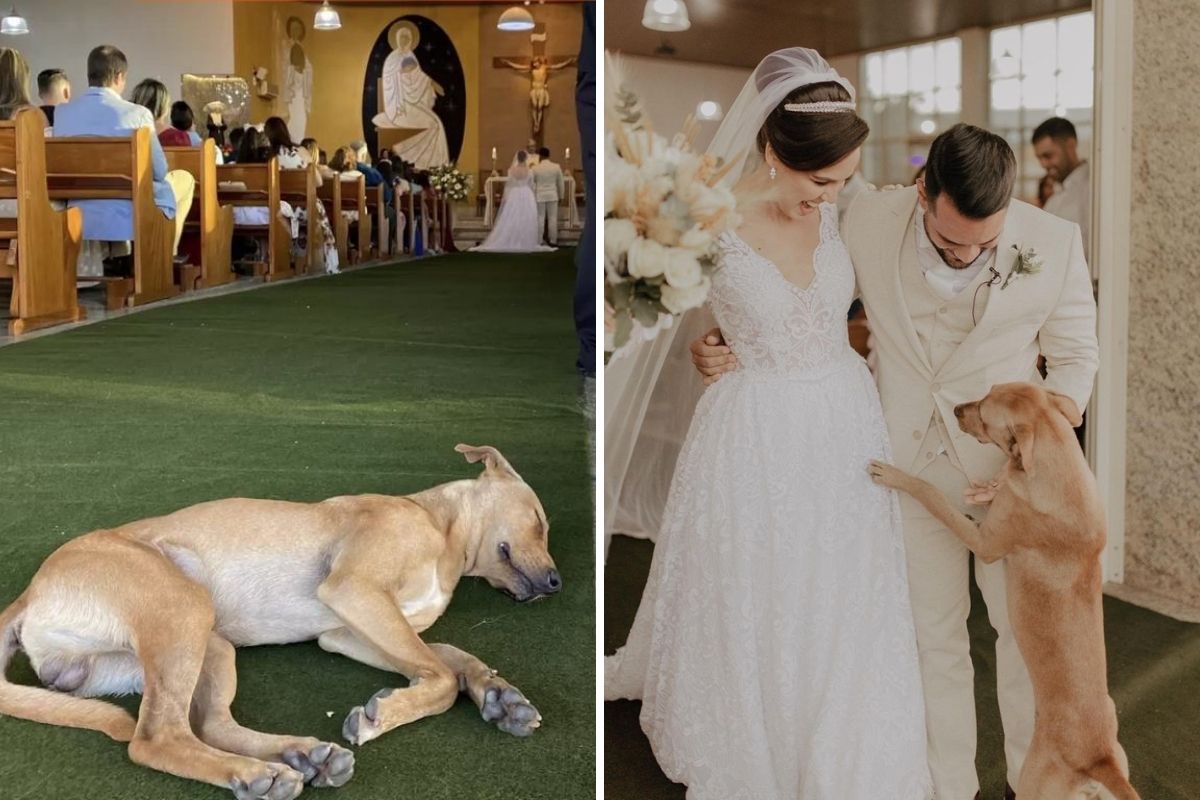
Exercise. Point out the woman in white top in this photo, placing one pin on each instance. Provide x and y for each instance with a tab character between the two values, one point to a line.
293	156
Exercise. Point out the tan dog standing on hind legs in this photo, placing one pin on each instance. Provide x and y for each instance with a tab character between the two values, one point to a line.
158	605
1047	521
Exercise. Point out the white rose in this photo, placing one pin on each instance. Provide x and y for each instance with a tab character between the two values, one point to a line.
697	239
621	183
683	270
647	258
678	300
619	234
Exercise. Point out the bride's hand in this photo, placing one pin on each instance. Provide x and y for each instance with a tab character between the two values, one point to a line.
712	356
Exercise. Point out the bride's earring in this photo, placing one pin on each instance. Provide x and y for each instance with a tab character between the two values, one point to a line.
773	173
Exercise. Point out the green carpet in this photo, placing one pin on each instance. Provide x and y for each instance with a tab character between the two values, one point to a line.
357	383
1154	678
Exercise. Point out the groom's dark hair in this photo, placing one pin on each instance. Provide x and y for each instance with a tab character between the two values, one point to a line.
975	168
543	152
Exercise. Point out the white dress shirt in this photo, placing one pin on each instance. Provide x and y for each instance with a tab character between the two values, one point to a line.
1074	202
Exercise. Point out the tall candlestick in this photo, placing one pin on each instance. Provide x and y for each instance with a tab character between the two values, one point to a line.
568	154
493	154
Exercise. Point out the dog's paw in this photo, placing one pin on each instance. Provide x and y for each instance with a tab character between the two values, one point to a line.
362	723
887	475
274	782
324	765
505	706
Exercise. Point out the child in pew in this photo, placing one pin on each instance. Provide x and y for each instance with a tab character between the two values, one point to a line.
393	180
234	143
255	148
294	156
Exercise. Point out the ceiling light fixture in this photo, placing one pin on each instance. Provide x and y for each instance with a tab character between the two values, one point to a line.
515	19
327	18
14	24
670	16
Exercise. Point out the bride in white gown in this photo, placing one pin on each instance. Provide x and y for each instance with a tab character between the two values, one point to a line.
774	651
516	226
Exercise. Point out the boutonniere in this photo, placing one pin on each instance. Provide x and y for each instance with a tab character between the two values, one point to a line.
1025	263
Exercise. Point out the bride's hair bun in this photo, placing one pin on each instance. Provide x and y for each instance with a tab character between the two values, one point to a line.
809	140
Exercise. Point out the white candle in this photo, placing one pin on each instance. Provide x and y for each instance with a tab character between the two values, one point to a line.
568	154
493	154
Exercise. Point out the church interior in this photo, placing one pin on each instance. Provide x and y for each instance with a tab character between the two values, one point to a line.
159	355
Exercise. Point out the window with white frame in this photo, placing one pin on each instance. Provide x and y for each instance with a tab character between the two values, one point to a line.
911	95
1040	70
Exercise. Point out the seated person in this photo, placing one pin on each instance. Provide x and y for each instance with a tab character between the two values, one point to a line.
53	89
153	94
296	156
14	78
255	148
100	111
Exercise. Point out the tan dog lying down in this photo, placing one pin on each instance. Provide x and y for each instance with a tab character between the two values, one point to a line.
157	606
1046	520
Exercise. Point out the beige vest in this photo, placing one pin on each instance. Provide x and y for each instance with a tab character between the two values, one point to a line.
941	325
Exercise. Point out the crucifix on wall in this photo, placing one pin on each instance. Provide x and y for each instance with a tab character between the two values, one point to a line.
540	68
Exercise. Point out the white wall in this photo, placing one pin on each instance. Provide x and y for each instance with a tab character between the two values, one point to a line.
161	39
670	90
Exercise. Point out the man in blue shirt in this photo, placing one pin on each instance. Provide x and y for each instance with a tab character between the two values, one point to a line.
100	111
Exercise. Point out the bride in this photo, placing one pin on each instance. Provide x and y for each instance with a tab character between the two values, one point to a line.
774	649
516	227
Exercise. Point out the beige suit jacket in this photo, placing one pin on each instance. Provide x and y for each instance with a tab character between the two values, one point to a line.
1052	313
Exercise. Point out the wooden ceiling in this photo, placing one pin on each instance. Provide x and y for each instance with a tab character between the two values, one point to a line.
740	32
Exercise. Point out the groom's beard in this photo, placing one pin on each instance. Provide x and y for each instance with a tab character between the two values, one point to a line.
950	261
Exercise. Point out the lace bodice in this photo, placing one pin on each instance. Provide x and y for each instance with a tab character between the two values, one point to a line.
772	324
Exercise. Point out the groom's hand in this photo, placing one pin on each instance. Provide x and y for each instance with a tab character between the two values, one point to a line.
712	356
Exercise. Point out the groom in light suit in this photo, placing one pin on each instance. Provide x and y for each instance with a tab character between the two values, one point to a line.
548	186
964	288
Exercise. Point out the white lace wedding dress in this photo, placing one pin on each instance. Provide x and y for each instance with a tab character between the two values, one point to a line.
774	650
516	228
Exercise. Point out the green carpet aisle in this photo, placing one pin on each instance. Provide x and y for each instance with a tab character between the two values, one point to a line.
1154	678
358	383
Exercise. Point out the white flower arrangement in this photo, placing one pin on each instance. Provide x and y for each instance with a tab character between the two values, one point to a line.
663	211
451	182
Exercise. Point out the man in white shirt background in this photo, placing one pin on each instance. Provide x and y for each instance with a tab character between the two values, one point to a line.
1057	148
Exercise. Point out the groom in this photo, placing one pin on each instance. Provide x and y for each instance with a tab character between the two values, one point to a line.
964	288
548	185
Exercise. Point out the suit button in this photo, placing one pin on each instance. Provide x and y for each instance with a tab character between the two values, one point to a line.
929	456
942	310
937	387
917	435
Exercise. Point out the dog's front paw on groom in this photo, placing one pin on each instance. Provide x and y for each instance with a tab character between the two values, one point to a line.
324	765
887	475
505	706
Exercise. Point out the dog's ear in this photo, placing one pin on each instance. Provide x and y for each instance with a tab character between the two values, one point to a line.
496	464
1020	449
1066	406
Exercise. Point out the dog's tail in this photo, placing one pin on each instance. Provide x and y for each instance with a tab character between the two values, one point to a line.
54	708
1108	772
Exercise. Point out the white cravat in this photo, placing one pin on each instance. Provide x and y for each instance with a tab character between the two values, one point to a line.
945	280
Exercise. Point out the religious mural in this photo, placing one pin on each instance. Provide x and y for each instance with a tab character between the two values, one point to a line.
414	94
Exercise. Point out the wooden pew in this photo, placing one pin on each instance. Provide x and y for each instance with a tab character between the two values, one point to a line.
330	193
119	168
354	198
46	240
261	182
211	220
378	207
299	187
